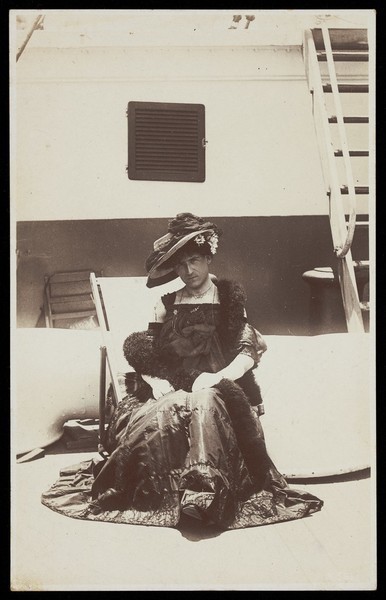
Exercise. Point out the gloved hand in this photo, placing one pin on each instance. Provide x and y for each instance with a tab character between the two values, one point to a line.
160	387
205	380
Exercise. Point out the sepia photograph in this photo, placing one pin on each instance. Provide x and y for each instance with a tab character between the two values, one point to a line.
192	203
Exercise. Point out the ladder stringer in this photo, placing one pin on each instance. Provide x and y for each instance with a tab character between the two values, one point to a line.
349	290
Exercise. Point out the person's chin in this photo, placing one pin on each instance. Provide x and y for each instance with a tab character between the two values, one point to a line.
192	281
193	284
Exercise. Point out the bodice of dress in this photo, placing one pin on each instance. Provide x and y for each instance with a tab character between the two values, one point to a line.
189	337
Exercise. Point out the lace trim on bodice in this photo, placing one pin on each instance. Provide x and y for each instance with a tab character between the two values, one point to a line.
211	297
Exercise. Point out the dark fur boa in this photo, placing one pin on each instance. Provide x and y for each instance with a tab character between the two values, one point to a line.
142	353
250	441
232	298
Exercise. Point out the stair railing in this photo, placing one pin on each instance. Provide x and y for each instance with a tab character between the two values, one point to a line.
342	235
341	252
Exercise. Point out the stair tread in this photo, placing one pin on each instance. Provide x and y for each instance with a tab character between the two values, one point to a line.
347	88
343	39
73	315
358	153
345	56
353	119
361	264
360	223
86	297
359	189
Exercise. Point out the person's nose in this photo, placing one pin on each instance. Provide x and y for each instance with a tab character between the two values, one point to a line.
188	269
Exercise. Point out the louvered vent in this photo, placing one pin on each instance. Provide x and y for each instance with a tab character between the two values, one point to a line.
166	141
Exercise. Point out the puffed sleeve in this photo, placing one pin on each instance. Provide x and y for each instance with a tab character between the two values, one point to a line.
251	343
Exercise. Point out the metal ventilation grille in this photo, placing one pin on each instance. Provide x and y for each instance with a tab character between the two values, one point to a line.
166	141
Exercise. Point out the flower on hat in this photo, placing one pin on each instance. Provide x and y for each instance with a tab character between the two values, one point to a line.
199	239
213	243
210	238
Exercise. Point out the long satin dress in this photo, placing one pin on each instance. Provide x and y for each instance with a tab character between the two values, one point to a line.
178	454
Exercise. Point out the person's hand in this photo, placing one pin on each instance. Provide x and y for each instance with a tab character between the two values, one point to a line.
205	380
160	387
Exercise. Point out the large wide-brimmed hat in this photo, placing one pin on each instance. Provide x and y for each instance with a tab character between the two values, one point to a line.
181	230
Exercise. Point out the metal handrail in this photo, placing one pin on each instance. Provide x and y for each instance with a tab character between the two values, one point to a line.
338	225
340	253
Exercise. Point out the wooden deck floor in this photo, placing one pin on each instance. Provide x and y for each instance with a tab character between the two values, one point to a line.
332	549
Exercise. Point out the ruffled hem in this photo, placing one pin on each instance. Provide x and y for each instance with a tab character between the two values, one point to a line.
70	495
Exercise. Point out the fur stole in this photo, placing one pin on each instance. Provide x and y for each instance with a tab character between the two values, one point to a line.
233	298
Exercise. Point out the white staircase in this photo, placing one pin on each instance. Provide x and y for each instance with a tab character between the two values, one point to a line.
336	63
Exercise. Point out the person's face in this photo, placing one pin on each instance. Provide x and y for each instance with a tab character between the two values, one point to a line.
193	269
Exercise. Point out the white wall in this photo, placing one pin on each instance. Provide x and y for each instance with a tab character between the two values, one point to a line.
71	132
78	72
